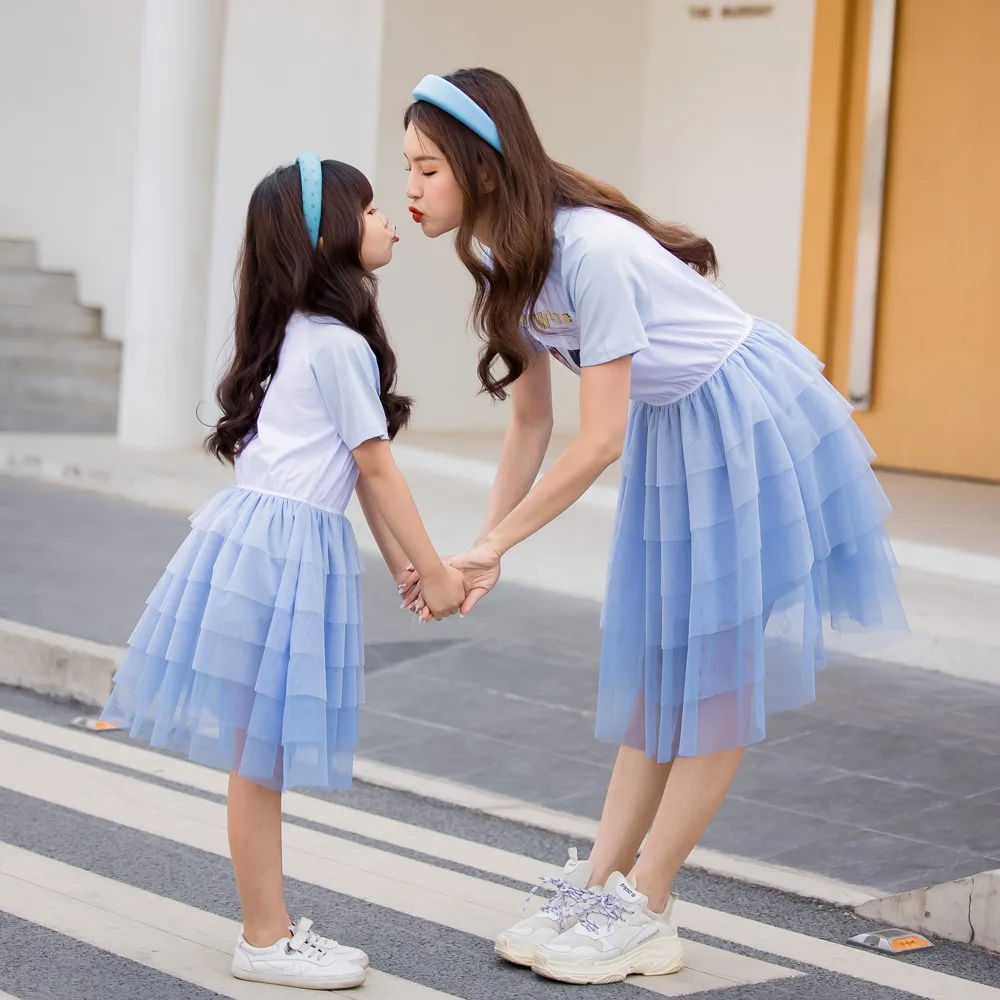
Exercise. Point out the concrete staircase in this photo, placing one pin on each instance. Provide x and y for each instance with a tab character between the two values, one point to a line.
57	373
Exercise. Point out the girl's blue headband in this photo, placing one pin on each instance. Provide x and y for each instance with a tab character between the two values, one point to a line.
438	91
311	176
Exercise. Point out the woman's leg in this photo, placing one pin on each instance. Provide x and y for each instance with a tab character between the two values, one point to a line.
633	796
692	796
254	820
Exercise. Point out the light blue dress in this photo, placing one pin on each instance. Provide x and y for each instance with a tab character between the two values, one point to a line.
749	518
250	655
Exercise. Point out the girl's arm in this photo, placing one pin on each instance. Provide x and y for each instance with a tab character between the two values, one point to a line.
525	443
443	588
392	552
604	396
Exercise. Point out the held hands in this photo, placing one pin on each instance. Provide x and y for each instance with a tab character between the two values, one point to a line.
479	569
436	596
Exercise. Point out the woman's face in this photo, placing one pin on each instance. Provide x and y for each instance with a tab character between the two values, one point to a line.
377	240
436	200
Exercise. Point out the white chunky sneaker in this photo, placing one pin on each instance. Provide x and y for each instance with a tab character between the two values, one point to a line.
519	943
302	960
616	936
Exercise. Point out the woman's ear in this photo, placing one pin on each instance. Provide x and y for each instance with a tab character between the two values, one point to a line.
319	243
486	181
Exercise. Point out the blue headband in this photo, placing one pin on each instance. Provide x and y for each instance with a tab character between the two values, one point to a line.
438	91
311	176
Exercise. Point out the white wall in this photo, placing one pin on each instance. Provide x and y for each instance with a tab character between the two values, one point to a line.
580	76
724	140
68	94
297	75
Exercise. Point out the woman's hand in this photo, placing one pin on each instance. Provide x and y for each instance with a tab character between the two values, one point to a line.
481	569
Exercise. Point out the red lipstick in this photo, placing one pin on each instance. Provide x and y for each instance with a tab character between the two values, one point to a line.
417	214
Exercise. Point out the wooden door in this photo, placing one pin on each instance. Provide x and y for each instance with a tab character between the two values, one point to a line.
935	404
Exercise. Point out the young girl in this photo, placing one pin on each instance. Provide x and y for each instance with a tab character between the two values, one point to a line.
249	655
748	510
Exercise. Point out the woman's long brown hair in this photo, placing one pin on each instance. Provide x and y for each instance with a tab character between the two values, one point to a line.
519	192
280	273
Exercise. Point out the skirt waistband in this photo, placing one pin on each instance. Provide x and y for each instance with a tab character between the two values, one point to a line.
289	496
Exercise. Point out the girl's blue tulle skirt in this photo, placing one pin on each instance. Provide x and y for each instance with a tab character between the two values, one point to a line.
748	520
249	655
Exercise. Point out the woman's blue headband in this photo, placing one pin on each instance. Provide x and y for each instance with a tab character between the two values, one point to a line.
438	91
311	176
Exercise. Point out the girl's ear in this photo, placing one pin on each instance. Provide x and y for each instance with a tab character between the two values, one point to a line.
486	180
319	243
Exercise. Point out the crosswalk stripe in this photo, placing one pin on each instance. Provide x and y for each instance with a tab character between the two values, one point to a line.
450	898
183	772
777	941
163	934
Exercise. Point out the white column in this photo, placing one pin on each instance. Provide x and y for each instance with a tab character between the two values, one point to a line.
171	223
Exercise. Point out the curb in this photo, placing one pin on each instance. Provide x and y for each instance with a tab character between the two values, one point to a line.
966	910
60	666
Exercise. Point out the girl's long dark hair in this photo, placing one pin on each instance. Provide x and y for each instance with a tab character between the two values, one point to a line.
280	273
520	191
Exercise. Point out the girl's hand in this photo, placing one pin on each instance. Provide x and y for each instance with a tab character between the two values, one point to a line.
408	584
481	569
442	594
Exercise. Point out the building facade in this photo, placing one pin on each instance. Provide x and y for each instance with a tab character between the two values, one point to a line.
134	132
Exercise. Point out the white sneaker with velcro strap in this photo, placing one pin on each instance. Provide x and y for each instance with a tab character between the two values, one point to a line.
306	960
615	936
519	943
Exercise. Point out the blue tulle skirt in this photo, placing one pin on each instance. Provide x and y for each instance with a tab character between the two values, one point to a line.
748	520
249	655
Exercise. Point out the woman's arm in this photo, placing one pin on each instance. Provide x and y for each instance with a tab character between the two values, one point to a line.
392	552
443	589
604	396
525	443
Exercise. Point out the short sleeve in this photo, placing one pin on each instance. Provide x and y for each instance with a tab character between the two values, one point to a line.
348	378
607	292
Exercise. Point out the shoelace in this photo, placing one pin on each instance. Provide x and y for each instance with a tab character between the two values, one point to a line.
566	899
605	905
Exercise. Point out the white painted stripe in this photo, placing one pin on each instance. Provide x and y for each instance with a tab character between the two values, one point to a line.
449	898
854	962
316	858
938	559
93	792
7	996
417	838
159	933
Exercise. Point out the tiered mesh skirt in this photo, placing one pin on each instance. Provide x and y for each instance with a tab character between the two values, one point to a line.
749	520
249	655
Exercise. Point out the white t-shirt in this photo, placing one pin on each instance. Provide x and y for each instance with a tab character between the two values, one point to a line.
321	403
613	291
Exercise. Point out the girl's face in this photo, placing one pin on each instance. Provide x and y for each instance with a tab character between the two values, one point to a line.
436	199
377	240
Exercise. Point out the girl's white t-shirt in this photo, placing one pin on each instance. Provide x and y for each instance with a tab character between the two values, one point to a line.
613	291
321	403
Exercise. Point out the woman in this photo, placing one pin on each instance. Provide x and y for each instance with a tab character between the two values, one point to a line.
748	510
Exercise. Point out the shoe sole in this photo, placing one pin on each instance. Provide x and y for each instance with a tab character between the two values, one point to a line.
341	982
509	954
653	958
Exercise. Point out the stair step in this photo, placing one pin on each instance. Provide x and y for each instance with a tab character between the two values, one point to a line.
18	254
61	318
77	419
65	386
34	287
24	349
